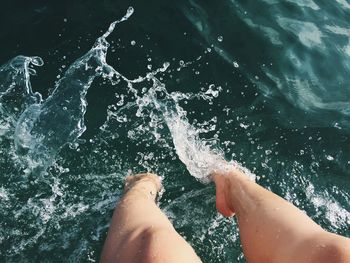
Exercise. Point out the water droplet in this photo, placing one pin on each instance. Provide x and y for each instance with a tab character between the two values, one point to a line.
329	158
244	126
336	125
220	38
267	152
235	64
133	42
130	11
166	65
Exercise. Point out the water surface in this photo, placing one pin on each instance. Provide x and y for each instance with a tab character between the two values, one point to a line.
173	90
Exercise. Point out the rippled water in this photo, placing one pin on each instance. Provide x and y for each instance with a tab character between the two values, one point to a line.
174	89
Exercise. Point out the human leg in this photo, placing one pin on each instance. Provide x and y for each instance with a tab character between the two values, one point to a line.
140	231
272	229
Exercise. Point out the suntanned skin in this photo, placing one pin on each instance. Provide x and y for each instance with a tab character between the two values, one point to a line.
271	229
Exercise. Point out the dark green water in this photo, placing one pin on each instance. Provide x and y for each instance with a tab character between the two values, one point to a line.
279	105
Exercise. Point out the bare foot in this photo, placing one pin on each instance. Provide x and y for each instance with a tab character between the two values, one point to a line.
147	183
222	194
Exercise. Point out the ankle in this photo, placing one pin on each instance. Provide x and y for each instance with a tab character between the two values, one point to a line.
142	187
146	186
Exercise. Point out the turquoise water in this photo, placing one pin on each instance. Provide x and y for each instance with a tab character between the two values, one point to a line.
181	86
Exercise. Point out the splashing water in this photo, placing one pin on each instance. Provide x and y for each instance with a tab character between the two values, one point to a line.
15	89
66	210
201	157
41	129
44	128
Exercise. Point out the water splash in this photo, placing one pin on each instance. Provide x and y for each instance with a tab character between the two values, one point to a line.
111	28
159	128
157	108
16	93
44	128
197	154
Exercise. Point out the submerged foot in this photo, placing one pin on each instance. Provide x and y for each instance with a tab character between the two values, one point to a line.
147	183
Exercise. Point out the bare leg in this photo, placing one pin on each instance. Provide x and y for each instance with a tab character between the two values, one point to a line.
271	229
140	232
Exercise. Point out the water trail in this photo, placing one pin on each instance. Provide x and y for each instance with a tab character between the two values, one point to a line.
15	89
129	13
197	154
201	157
43	129
157	107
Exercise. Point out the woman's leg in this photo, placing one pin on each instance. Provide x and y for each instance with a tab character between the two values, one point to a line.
272	229
140	231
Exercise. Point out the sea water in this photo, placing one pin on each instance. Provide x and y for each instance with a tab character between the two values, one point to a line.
263	85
